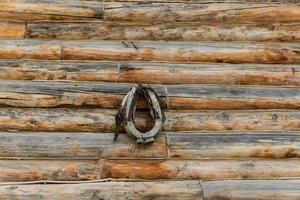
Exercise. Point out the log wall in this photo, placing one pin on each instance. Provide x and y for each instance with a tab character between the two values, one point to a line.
227	73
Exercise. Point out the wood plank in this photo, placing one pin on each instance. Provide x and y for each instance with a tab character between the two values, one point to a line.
169	190
233	145
48	10
272	53
12	30
60	145
252	189
169	32
151	73
99	120
15	171
176	97
213	12
205	170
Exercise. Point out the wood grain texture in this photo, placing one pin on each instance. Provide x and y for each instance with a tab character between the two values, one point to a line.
204	170
239	145
22	49
59	70
99	120
15	171
151	73
241	74
43	145
33	170
207	1
146	11
43	94
176	97
12	30
272	53
168	32
210	145
189	190
49	10
213	12
211	190
182	52
254	190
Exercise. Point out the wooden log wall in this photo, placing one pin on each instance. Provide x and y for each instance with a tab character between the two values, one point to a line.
228	74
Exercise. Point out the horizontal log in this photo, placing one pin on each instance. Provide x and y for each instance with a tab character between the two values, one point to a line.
168	190
49	10
44	145
22	49
146	11
251	189
33	170
151	73
272	53
210	190
59	70
182	52
207	1
97	120
176	97
15	171
242	74
213	12
220	145
12	30
169	32
206	170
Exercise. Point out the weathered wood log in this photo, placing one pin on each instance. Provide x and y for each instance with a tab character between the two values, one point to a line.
43	145
151	51
98	120
207	1
12	30
58	70
182	52
215	97
206	170
213	12
220	145
22	170
29	10
12	171
49	10
22	49
242	74
151	73
251	189
176	97
210	190
169	190
169	32
209	145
